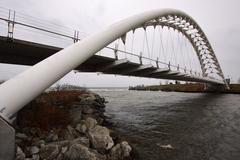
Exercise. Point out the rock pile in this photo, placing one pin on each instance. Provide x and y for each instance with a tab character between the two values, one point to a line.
79	135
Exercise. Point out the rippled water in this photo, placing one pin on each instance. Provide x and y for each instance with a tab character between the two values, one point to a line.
197	126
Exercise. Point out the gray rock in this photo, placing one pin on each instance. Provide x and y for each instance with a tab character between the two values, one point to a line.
116	152
64	149
81	127
90	123
42	145
91	97
71	133
85	116
63	143
38	143
120	151
33	150
98	104
100	120
100	138
34	131
20	155
80	152
21	136
126	149
81	140
55	137
35	157
49	152
59	157
88	110
52	137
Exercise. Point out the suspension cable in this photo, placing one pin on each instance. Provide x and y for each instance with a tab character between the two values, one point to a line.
133	41
153	42
187	50
148	49
143	46
173	47
161	45
181	50
167	49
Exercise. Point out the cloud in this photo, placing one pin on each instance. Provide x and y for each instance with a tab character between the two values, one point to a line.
216	17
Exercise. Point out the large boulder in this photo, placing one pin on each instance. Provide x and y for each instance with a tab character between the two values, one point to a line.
100	138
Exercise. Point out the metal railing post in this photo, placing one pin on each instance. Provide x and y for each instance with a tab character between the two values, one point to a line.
140	58
76	36
115	51
11	21
157	63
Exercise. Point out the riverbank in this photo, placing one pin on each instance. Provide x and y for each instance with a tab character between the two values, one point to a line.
190	87
67	124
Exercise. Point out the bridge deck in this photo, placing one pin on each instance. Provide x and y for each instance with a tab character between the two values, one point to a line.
28	53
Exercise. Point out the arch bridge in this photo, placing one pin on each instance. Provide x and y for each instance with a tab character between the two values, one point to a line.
163	44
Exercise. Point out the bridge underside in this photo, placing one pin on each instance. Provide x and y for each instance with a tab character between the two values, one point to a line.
29	53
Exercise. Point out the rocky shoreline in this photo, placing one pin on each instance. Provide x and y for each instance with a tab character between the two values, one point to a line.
67	124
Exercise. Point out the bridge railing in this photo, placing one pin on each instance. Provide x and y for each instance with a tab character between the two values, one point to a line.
20	26
16	25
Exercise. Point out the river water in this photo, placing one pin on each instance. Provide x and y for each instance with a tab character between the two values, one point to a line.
196	126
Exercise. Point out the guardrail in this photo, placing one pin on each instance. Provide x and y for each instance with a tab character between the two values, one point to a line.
14	19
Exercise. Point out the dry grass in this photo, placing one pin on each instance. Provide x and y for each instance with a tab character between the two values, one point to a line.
49	109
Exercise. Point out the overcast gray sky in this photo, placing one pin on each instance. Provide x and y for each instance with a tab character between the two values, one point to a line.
218	18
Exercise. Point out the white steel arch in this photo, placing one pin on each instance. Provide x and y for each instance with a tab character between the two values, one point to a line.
20	90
